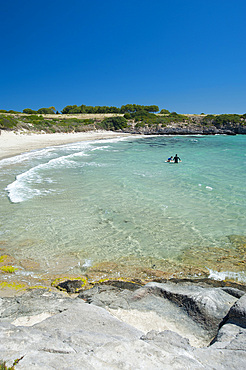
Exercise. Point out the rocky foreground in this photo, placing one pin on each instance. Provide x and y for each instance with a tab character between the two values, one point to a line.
125	326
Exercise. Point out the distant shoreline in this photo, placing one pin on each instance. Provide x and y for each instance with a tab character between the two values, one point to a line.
13	143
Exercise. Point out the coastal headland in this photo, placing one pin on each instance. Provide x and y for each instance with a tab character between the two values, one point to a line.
21	132
139	121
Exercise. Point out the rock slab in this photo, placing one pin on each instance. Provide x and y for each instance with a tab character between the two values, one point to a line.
69	333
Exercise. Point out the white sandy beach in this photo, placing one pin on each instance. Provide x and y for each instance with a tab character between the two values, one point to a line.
12	143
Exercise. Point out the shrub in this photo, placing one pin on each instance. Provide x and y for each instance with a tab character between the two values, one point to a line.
29	111
222	119
164	111
88	121
50	110
140	124
114	123
7	122
127	116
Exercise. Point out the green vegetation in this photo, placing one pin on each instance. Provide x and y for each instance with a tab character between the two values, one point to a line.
141	115
164	111
87	109
114	123
223	119
129	108
74	109
7	122
133	108
50	110
3	365
29	111
144	118
8	111
34	122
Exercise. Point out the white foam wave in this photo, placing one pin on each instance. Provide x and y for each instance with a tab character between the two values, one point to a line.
21	189
94	164
47	152
116	139
88	144
223	275
100	147
40	153
87	263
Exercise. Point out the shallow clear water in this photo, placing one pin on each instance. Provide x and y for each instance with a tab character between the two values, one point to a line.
90	202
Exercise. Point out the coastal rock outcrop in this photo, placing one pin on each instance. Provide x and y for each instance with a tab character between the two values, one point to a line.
158	326
182	128
237	313
206	306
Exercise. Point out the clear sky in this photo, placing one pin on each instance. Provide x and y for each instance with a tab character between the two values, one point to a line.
183	55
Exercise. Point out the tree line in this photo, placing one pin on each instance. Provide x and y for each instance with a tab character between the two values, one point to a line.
74	109
128	108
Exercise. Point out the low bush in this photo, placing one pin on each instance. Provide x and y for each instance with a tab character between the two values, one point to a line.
114	123
164	111
223	119
7	122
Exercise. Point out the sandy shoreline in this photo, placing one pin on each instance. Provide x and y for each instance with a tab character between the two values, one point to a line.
12	143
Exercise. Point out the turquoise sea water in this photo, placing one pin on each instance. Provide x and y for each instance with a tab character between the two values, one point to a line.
79	204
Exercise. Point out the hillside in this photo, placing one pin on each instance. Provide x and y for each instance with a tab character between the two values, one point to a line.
135	123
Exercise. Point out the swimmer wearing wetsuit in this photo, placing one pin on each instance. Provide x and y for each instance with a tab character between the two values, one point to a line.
176	159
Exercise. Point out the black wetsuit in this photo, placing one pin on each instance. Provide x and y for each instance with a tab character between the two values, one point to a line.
176	159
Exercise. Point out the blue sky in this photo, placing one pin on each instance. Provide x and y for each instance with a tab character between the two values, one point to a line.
183	55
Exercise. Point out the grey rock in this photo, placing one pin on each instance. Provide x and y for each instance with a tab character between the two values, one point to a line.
144	302
166	339
198	310
78	335
107	296
207	306
237	313
32	303
230	336
233	291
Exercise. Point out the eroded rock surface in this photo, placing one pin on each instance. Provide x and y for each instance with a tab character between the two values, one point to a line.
52	331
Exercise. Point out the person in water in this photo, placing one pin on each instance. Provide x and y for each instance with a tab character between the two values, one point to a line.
170	159
176	159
